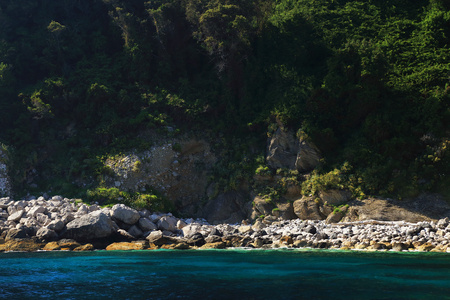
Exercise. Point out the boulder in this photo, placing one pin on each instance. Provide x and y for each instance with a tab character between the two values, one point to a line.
125	214
307	208
56	225
15	217
135	231
168	223
181	224
36	210
5	202
336	215
45	234
89	227
157	238
147	225
190	230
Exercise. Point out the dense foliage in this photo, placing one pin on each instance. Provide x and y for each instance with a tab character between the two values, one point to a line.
367	81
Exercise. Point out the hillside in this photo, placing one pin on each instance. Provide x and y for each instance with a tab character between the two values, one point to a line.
195	105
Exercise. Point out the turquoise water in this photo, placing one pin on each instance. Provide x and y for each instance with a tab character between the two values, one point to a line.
224	274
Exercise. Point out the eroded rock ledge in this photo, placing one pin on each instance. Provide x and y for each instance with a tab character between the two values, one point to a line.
64	224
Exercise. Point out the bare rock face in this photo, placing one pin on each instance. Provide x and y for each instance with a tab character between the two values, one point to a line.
308	156
94	225
5	184
226	208
285	211
125	214
284	150
423	208
307	208
335	197
262	206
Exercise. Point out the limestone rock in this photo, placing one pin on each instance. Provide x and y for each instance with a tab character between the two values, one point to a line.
217	245
15	233
181	224
286	151
230	207
190	230
284	211
158	238
135	231
25	245
46	234
126	246
335	197
56	225
308	156
85	247
147	225
15	217
262	206
307	208
36	210
168	223
336	216
125	214
89	227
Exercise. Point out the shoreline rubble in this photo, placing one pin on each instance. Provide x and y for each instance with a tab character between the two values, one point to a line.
64	224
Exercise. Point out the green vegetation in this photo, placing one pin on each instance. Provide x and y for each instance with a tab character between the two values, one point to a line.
366	81
110	196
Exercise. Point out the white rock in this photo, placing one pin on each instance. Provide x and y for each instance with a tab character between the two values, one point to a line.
181	224
15	217
125	214
36	210
168	223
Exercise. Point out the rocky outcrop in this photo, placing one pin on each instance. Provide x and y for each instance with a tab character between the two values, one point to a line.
5	183
176	167
284	150
423	208
307	208
335	197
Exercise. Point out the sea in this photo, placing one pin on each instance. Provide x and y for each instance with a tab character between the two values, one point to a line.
225	274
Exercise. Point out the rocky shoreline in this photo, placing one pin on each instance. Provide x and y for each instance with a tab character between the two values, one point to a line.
59	223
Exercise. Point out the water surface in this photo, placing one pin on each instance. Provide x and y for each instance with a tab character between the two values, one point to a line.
225	274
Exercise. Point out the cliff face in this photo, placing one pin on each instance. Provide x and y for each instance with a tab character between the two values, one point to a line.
5	184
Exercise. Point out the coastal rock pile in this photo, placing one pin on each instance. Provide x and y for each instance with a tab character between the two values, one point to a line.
65	224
